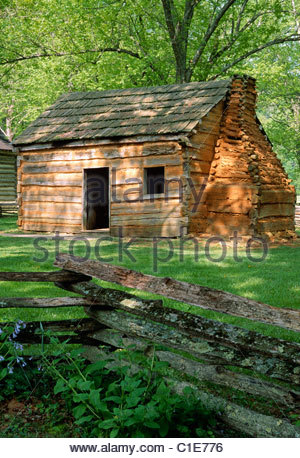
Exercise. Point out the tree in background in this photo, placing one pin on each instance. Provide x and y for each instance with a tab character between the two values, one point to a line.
48	47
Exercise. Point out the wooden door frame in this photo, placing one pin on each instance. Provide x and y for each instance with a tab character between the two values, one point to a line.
84	201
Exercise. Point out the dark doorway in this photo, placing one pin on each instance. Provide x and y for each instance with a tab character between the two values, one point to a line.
96	198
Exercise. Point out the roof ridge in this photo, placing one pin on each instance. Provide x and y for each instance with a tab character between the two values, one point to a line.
156	89
160	109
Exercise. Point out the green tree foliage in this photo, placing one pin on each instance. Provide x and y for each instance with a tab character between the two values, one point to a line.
279	104
49	47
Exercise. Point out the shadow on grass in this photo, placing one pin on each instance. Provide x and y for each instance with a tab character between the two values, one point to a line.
274	281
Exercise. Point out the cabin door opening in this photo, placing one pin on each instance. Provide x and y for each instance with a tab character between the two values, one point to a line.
96	198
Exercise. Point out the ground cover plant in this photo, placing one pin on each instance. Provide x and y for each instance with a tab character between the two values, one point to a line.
104	400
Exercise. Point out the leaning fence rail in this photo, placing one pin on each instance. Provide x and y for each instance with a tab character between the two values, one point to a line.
200	352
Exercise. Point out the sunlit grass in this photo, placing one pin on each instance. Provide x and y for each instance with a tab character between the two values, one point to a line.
275	281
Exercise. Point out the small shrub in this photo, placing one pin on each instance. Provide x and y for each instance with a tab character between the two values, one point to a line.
115	401
113	397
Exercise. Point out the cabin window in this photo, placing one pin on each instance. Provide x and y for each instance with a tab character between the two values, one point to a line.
154	180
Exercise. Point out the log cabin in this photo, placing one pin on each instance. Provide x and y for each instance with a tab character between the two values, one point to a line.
8	175
156	161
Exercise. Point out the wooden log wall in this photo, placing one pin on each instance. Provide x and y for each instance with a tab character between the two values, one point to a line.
248	190
197	163
51	188
8	177
274	208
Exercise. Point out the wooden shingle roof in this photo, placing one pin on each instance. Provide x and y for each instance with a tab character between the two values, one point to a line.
160	110
5	145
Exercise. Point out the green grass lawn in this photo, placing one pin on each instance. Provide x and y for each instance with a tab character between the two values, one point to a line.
275	281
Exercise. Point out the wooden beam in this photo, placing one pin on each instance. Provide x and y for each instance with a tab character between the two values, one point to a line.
208	339
201	296
80	329
63	275
43	303
258	355
204	372
83	339
77	325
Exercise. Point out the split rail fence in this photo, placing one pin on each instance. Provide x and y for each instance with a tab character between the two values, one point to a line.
208	355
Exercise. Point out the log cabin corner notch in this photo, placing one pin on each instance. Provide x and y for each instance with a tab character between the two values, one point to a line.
203	138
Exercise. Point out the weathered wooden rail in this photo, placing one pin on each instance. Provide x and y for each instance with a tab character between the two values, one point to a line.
213	355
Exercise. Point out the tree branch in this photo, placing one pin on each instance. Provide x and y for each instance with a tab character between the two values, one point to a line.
242	10
65	54
236	35
276	41
211	29
169	10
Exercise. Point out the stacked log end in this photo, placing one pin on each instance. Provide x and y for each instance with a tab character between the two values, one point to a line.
248	190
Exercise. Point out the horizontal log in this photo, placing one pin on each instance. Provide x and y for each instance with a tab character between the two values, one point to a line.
8	197
202	296
83	339
251	423
212	349
145	230
53	190
74	325
275	224
231	191
42	217
226	224
278	209
269	356
55	165
7	165
41	198
126	169
136	208
229	206
104	152
201	152
148	220
280	196
32	181
224	377
205	372
43	303
7	160
64	276
47	227
8	190
59	207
